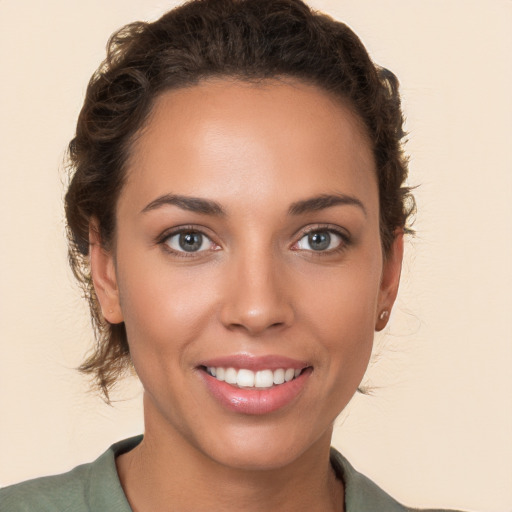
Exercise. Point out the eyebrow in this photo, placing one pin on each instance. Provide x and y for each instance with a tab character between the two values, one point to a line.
193	204
324	201
209	207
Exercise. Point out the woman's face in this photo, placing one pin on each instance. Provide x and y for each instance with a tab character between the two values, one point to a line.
247	252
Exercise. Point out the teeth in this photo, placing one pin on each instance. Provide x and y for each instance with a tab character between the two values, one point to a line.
279	376
248	379
289	374
245	378
230	376
264	379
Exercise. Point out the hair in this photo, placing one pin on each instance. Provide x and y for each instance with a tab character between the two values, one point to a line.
247	40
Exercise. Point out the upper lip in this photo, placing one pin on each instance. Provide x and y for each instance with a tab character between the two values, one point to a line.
254	363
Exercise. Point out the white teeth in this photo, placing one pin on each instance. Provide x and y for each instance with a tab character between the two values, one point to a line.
289	374
245	378
230	376
248	379
264	379
279	376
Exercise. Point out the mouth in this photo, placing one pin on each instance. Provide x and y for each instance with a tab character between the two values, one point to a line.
245	378
251	385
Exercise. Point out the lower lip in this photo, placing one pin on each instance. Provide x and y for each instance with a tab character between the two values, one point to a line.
253	400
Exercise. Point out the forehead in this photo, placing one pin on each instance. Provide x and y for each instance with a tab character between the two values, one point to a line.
220	139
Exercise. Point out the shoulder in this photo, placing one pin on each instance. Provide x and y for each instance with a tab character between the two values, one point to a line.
58	492
93	486
363	495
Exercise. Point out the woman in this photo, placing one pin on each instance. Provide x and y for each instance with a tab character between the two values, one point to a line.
236	217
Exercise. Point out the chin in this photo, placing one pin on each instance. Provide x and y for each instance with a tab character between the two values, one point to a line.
264	449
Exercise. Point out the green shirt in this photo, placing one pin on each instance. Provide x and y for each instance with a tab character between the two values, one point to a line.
95	487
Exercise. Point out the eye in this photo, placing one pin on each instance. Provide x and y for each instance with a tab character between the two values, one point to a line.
188	241
321	240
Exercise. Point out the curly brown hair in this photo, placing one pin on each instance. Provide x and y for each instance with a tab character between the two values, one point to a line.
241	39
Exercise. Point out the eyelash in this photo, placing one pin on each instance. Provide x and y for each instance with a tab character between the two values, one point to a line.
344	237
162	240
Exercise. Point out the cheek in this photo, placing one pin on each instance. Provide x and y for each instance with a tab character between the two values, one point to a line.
340	312
164	308
344	328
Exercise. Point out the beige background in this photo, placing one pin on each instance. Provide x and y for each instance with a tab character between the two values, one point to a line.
438	430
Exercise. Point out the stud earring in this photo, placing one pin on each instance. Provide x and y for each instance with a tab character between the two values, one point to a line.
384	314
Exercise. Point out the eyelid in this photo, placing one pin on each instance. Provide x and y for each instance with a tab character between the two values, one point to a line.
337	230
345	236
177	230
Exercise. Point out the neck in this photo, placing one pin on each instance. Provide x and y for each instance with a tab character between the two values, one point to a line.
166	472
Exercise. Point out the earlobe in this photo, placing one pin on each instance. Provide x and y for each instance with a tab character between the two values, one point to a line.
390	280
104	276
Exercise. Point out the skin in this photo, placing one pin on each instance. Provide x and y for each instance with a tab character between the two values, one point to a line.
257	288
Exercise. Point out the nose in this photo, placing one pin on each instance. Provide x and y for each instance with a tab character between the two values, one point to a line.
257	295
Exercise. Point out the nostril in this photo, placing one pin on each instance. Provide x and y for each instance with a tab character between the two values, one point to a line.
255	327
244	309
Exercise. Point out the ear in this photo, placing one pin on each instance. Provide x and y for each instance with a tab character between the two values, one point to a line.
390	280
104	277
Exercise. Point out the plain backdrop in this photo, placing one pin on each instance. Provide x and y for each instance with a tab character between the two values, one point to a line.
437	430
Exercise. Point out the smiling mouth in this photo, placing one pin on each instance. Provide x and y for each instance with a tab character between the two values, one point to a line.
248	379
